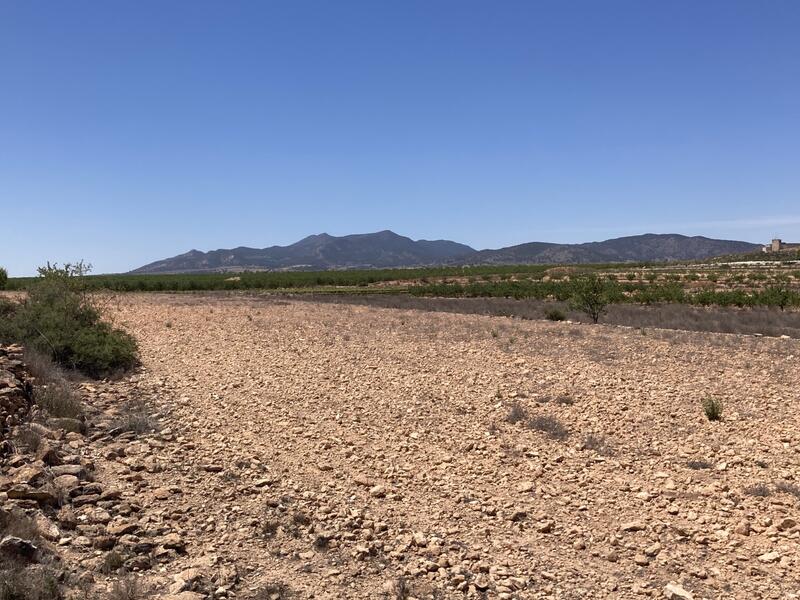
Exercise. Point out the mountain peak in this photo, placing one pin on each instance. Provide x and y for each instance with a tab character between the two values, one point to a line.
387	249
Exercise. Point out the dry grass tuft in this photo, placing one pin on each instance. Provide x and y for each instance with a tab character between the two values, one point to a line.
599	444
760	490
787	487
550	426
273	591
517	413
129	588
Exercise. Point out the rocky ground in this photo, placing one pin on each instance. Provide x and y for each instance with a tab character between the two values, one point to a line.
321	451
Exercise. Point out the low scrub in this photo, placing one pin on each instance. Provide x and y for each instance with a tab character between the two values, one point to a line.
550	426
599	444
516	413
34	582
59	318
129	587
760	490
135	418
712	407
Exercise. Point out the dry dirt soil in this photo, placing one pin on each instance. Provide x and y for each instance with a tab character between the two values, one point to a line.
357	452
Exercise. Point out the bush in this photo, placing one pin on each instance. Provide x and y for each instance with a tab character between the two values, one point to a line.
550	426
553	314
33	583
787	487
760	490
59	318
128	588
713	408
592	295
3	278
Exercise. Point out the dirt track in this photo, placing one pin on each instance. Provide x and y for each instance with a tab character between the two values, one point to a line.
336	448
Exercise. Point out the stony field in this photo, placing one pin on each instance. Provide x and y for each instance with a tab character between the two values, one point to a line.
347	451
309	450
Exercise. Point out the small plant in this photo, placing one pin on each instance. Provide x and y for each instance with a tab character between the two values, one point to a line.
301	519
112	562
17	583
269	529
712	407
168	324
321	543
787	487
697	465
16	523
128	588
760	490
58	399
599	444
553	314
27	438
135	418
550	426
517	413
400	589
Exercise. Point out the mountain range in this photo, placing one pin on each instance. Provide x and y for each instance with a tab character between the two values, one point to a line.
386	249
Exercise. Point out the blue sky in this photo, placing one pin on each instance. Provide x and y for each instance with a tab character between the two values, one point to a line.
132	131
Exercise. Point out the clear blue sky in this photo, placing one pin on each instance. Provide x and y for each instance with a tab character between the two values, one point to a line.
132	131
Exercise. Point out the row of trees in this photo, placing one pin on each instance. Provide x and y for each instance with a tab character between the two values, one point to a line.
592	294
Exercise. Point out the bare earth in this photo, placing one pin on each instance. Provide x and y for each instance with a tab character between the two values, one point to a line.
335	449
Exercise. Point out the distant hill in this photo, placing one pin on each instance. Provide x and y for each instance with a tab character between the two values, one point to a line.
386	249
383	249
649	247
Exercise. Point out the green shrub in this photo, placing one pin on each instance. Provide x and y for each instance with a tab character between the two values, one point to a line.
776	295
592	295
713	408
60	318
553	314
3	278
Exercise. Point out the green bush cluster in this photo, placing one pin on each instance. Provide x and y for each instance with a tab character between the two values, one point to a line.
59	318
777	296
